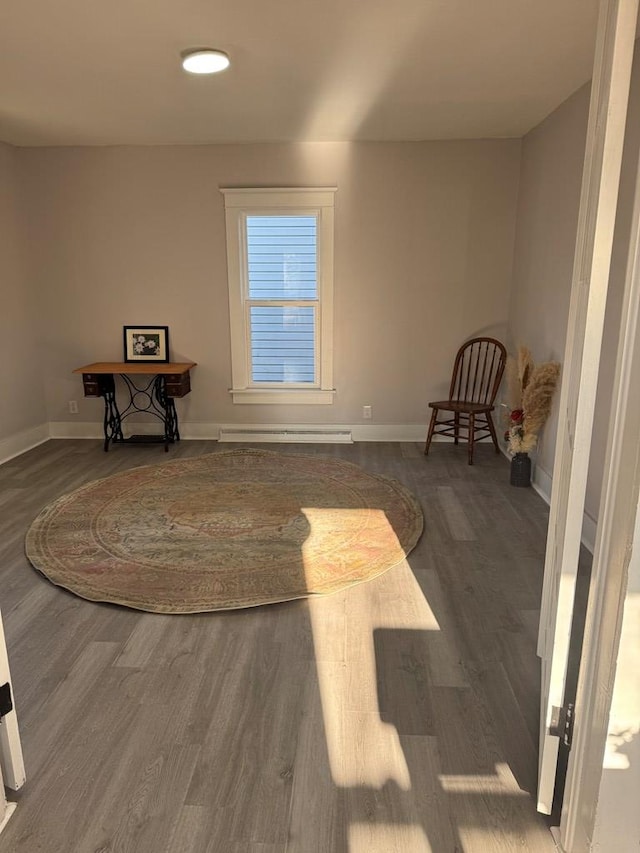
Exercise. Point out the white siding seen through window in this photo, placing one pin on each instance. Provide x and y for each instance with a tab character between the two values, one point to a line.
280	259
283	297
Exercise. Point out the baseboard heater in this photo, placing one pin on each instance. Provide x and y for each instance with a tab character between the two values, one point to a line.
326	436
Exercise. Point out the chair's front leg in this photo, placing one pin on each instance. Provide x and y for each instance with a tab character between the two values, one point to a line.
432	425
456	427
472	436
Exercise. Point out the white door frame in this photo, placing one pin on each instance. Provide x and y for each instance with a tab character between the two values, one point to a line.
596	222
612	553
11	761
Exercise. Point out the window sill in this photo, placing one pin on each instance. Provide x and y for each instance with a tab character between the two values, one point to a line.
282	396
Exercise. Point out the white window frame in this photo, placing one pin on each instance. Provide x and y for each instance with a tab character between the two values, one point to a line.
301	201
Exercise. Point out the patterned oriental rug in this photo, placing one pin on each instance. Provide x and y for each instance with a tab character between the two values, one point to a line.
227	530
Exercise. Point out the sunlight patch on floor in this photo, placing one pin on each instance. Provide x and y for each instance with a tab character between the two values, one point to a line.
503	783
392	838
372	536
364	751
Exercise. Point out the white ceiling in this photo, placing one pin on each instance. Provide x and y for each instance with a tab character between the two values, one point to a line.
92	72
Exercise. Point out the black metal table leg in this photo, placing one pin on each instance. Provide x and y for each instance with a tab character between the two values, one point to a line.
151	392
168	407
150	398
112	417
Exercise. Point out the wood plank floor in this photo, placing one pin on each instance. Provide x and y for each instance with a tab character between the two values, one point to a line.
400	715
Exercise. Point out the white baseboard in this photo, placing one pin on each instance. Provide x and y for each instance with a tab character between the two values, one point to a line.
541	482
284	436
359	432
211	431
75	429
389	432
20	442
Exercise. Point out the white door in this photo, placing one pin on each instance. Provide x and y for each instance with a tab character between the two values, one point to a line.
11	763
608	690
603	156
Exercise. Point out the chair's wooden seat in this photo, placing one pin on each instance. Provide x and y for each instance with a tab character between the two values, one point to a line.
477	372
462	406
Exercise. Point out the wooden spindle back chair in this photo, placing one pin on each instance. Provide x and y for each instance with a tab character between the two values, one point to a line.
477	372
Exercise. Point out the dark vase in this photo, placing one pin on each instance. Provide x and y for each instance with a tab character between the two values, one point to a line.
521	470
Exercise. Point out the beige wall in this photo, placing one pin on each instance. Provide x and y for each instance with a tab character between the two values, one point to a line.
551	173
424	242
21	392
550	178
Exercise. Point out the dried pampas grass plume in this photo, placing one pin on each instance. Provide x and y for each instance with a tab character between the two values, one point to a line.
525	366
514	389
537	396
530	394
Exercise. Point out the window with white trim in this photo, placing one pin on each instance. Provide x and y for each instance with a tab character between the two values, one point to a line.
280	269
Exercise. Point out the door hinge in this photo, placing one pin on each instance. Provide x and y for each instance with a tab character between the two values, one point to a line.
562	720
6	703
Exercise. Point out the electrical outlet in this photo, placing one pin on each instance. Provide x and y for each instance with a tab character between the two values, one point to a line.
73	407
366	412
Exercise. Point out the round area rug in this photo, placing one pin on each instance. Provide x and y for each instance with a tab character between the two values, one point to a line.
227	530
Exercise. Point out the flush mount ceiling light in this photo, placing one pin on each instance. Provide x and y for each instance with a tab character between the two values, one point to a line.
204	61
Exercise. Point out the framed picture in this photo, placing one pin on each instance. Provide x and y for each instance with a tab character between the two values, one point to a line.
146	343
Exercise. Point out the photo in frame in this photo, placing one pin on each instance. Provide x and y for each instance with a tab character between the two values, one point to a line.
146	343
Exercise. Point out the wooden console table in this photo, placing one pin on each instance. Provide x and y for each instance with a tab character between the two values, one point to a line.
153	395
